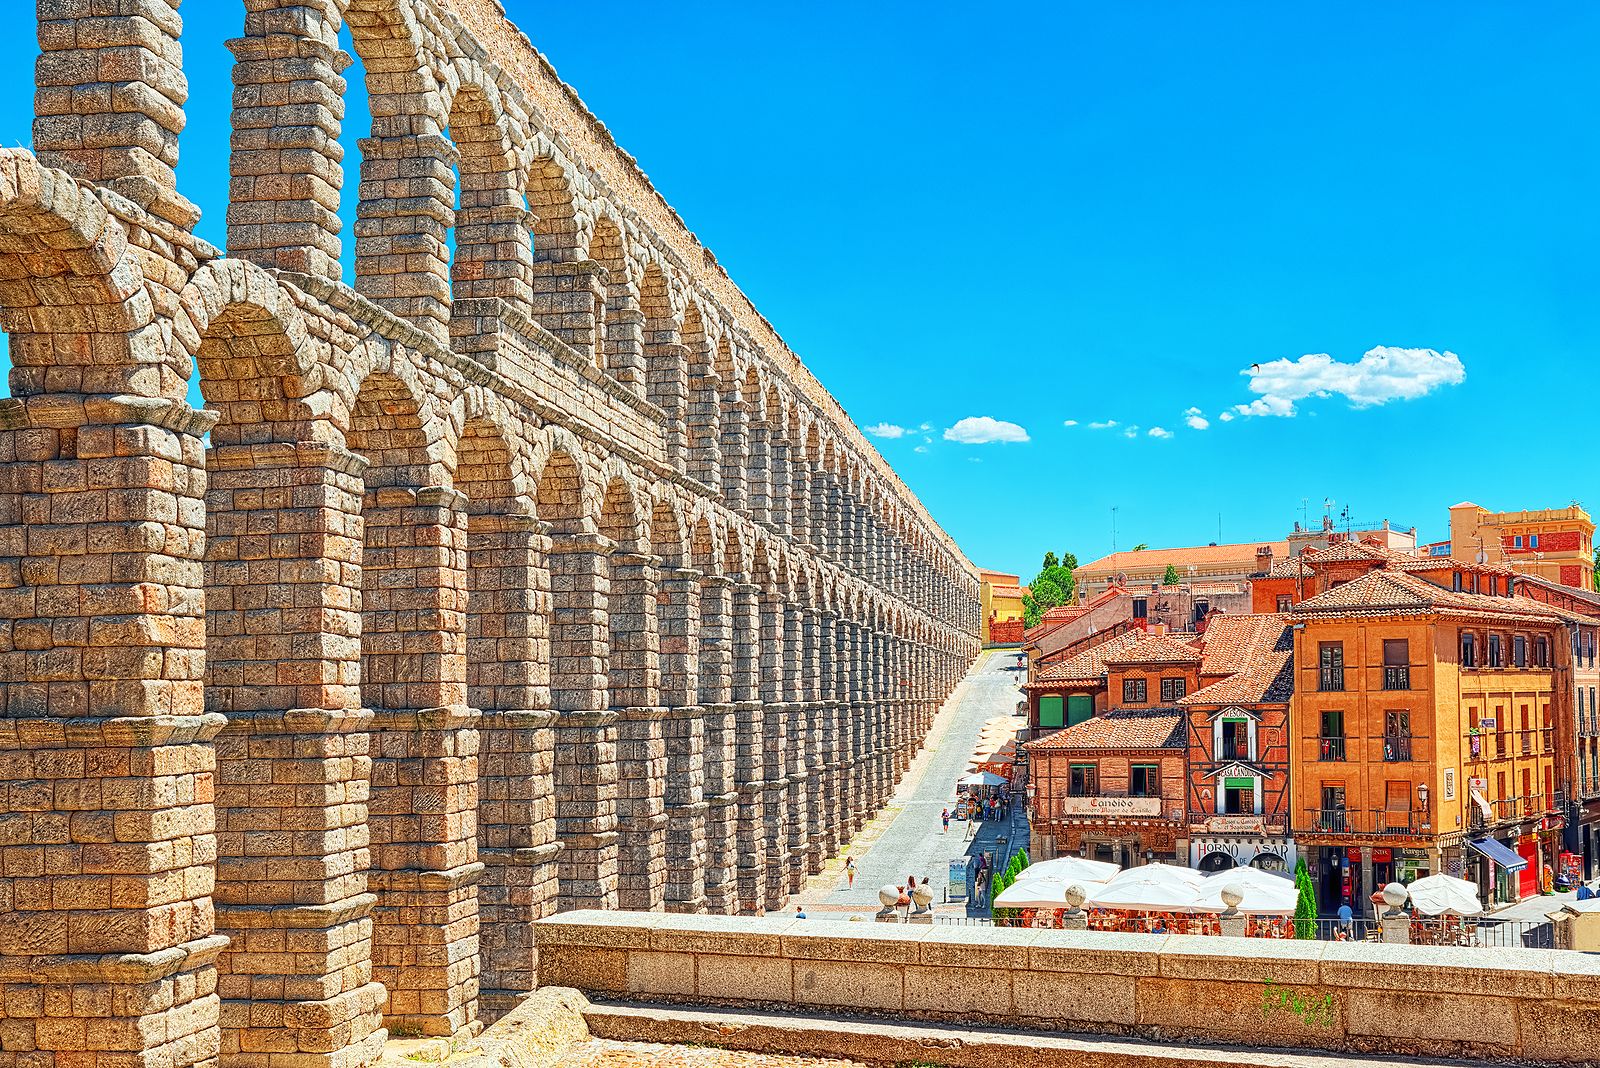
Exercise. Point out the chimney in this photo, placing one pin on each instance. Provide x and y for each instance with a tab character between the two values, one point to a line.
1263	559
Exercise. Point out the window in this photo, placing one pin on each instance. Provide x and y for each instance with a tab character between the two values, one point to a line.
1455	581
1141	608
1285	602
1396	736
1050	711
1533	541
1201	607
1080	706
1331	816
1238	796
1235	740
1330	666
1084	781
1396	664
1172	689
1519	651
1469	650
1397	806
1516	543
1494	651
1144	780
1541	652
1332	740
1134	692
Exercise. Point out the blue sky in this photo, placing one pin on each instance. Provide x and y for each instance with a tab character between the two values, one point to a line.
1046	213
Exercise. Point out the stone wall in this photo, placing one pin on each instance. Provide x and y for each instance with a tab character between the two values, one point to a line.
538	575
1522	1004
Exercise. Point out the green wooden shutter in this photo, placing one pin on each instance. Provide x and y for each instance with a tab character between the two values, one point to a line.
1050	712
1080	707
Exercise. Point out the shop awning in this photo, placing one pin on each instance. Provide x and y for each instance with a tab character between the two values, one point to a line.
1499	853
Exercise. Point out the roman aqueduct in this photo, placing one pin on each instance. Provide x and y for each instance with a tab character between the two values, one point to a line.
541	575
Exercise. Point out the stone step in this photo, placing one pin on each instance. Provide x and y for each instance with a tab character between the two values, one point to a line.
882	1042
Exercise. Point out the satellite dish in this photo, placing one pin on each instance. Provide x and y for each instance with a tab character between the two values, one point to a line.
1483	557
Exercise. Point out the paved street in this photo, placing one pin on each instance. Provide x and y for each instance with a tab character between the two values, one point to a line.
905	839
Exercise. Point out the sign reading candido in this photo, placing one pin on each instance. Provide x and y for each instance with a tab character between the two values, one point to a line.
1111	806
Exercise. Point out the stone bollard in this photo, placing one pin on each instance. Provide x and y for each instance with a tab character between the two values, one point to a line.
922	897
1075	919
1394	925
888	897
1231	920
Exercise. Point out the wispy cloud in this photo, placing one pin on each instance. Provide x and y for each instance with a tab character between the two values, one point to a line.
1383	374
983	430
1226	417
1131	432
887	430
925	427
920	448
1107	425
1160	432
1195	420
1069	422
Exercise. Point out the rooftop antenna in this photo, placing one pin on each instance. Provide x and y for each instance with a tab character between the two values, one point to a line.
1219	528
1304	501
1113	530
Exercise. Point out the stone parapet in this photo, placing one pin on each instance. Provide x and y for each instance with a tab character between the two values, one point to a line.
1526	1005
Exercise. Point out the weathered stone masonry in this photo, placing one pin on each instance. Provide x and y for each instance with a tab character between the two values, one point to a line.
541	576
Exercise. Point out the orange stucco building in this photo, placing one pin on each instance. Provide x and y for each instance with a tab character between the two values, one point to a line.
1000	596
1424	719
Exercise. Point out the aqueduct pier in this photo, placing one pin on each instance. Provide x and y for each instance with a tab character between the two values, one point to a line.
537	576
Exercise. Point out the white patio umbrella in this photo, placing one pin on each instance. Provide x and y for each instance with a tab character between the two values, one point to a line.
1038	894
1250	877
1069	870
1151	888
1260	898
980	778
1440	894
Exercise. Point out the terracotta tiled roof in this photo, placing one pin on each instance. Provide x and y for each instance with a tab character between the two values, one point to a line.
1345	551
1270	680
1237	552
1293	567
1089	664
1445	563
1155	649
1390	590
1235	643
1007	591
1143	728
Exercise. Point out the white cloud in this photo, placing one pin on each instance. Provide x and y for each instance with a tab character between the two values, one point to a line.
1107	425
887	430
1160	432
920	448
1383	374
1195	420
925	427
1226	417
1070	422
983	430
1131	432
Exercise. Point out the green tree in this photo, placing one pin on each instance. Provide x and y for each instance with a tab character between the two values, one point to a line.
1597	569
1049	562
1305	909
1171	578
1141	547
1053	587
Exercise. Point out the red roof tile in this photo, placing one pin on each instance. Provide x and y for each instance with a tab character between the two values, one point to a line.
1155	649
1143	728
1090	664
1392	590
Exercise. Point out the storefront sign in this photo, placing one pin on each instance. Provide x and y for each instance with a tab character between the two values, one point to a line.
958	880
1235	825
1111	806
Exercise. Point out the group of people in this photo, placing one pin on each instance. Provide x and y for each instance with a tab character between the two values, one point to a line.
1124	922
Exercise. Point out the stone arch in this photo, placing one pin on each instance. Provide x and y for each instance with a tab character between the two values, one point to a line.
493	251
704	446
554	205
666	383
562	489
72	296
667	539
621	334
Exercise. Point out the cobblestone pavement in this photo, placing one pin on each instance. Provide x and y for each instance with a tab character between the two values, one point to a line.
905	839
604	1053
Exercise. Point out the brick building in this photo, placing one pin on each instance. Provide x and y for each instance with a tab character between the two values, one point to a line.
1424	720
1555	544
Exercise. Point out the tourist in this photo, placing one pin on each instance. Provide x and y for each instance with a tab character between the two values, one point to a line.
799	912
945	818
850	872
1346	917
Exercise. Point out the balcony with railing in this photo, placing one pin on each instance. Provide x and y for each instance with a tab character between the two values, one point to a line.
1330	679
1234	751
1398	748
1331	747
1399	823
1397	677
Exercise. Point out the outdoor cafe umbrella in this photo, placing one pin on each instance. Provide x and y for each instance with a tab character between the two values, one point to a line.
1039	893
1069	870
981	778
1439	894
1150	888
1259	897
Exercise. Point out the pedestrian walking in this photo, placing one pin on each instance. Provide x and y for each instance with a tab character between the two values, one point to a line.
799	912
850	872
945	817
